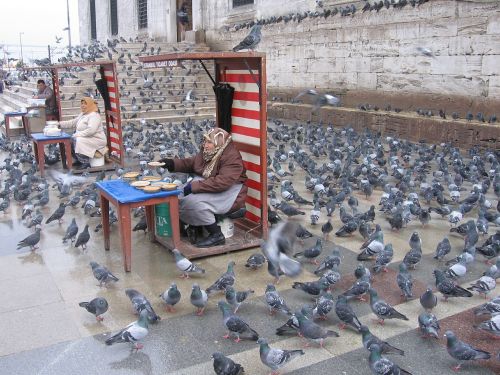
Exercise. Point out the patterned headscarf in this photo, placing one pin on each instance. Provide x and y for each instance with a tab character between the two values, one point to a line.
220	138
91	105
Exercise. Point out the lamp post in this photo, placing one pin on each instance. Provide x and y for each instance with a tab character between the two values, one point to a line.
21	45
69	27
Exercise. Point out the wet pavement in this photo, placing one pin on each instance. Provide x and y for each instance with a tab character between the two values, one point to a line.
46	332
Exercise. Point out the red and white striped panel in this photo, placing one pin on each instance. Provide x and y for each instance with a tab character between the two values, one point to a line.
114	127
245	128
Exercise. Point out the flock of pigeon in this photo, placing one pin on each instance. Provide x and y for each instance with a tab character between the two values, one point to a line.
418	182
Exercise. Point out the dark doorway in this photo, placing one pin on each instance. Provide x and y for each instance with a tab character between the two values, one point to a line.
113	12
93	27
189	10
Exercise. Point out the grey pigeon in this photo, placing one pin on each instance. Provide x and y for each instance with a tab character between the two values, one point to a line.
83	238
491	326
235	324
314	288
226	279
274	301
102	274
382	309
370	339
428	300
276	358
226	366
255	261
171	297
235	299
346	314
132	333
484	285
383	259
443	248
489	308
405	281
251	40
311	253
140	302
185	265
381	365
312	331
97	306
449	288
323	306
199	299
358	289
31	241
57	214
329	262
428	324
71	232
462	351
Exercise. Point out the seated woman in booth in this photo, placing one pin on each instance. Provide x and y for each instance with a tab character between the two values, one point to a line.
218	188
89	135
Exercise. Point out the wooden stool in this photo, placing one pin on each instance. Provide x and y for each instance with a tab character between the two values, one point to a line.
7	117
40	140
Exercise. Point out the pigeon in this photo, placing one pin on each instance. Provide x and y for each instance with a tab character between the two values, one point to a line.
141	225
323	306
443	248
326	229
449	288
276	358
235	324
31	241
484	285
462	351
381	365
370	339
278	249
314	288
458	269
255	261
289	210
97	306
171	297
140	302
71	232
329	262
358	289
132	333
491	326
226	366
226	279
311	253
102	274
489	308
383	259
346	314
382	309
36	220
83	238
185	265
375	246
235	299
428	324
199	299
405	281
312	331
428	300
274	301
251	40
57	214
426	52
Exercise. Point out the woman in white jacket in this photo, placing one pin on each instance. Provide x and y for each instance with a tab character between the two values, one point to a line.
89	135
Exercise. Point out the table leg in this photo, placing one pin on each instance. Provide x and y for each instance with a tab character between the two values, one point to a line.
105	220
174	220
41	158
7	126
125	223
62	151
26	125
35	151
150	220
67	150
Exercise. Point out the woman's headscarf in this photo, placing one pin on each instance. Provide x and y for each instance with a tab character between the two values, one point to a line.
91	105
220	138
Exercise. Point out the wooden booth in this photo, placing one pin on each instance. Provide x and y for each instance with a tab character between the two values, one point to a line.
107	83
246	73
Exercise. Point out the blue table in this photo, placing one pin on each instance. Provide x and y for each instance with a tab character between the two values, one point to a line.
64	141
124	197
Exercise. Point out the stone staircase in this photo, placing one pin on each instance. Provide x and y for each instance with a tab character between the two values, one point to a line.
146	95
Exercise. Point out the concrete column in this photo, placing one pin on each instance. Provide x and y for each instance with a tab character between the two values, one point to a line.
171	21
199	7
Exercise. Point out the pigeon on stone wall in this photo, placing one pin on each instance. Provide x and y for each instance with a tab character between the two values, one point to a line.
251	40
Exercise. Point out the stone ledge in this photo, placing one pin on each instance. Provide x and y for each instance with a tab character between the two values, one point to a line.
404	125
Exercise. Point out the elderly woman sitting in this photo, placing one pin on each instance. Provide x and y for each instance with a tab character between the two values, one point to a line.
219	187
89	135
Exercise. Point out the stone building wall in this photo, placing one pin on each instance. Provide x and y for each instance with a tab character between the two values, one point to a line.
373	56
